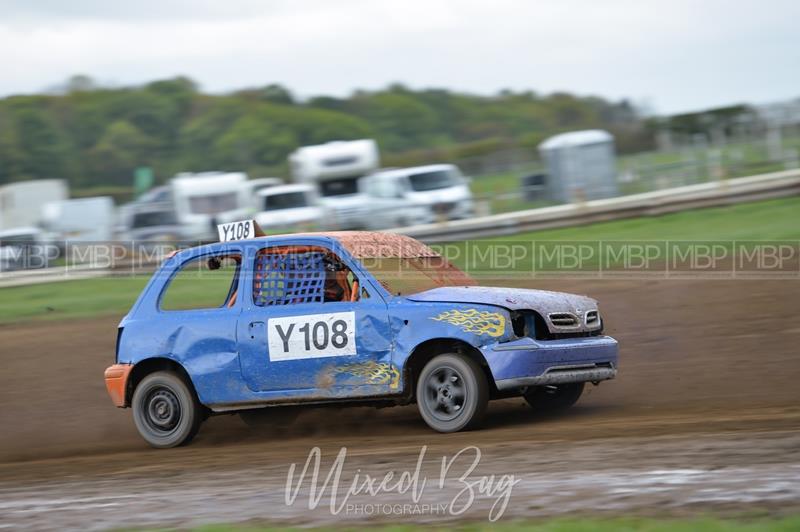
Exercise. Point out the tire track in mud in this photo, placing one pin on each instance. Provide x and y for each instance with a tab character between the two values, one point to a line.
703	417
722	472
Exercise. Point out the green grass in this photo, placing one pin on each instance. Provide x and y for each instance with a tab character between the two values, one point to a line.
502	193
766	220
105	296
706	524
70	299
774	220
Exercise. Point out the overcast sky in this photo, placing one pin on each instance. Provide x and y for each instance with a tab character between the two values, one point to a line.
672	55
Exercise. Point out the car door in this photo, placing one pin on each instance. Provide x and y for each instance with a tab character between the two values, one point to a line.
294	343
197	317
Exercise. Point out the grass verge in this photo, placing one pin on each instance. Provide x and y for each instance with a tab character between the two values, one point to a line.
766	220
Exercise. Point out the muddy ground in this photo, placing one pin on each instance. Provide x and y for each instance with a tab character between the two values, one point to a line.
704	416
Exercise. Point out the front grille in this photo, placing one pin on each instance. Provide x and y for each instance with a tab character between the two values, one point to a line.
592	318
542	331
444	207
563	319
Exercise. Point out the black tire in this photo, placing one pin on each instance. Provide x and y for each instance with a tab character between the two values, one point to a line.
452	393
270	419
554	398
166	410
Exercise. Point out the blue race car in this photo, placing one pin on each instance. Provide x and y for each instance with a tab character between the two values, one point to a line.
358	317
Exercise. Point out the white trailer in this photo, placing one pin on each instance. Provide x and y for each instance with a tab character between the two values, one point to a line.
21	203
335	169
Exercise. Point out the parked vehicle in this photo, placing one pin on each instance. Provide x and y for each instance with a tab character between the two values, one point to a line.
160	194
154	223
332	318
200	199
23	248
335	169
257	185
79	220
157	198
417	195
289	207
21	203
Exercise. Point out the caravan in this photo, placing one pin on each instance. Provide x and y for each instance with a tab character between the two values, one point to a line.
335	169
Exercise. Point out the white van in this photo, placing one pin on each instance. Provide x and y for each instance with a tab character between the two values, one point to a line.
290	207
335	169
202	200
79	219
418	195
259	184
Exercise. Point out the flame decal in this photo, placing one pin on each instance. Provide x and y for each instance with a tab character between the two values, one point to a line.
475	321
373	372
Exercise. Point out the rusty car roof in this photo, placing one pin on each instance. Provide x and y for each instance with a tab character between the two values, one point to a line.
375	244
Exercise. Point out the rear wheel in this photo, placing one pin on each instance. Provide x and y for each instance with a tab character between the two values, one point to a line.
554	398
165	410
452	393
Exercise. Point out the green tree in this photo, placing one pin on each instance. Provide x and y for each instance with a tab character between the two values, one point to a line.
400	120
94	136
43	145
252	142
119	151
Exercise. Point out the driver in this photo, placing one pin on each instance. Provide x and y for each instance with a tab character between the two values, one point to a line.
336	286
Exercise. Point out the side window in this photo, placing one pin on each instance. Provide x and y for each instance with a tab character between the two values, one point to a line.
204	283
387	188
292	275
369	186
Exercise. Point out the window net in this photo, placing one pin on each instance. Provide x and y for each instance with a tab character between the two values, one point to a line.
289	278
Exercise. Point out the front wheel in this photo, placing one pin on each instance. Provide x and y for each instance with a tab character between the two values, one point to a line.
554	398
452	393
165	410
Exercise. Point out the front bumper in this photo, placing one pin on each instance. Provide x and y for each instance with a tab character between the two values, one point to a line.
529	362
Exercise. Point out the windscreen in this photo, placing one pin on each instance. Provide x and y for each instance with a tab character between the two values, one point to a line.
290	200
411	275
434	180
152	219
213	203
18	240
339	187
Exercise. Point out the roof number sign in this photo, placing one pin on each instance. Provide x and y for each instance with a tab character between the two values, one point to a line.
236	231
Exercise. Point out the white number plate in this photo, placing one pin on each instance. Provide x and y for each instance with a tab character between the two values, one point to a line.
236	231
312	336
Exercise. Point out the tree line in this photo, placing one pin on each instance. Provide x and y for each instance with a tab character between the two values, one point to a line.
96	136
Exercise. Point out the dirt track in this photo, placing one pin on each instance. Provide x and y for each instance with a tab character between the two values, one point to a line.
704	414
